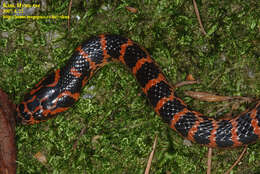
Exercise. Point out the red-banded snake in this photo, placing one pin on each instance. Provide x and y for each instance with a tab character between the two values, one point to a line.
58	91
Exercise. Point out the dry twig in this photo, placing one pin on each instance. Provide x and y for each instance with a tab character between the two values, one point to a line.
151	156
237	161
186	83
81	133
69	10
198	17
209	160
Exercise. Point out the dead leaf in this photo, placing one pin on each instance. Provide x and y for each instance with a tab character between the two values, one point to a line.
131	9
41	158
190	77
204	96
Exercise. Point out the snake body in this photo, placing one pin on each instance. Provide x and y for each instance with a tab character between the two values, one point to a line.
58	91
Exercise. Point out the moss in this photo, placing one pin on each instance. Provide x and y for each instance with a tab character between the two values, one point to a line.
120	124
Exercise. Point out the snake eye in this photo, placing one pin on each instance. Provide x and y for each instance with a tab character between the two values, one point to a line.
22	115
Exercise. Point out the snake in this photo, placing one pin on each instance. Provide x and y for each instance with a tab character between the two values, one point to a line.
58	91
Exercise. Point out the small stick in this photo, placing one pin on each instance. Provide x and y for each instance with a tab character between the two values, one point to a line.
209	160
151	156
198	17
237	161
69	14
81	133
188	82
